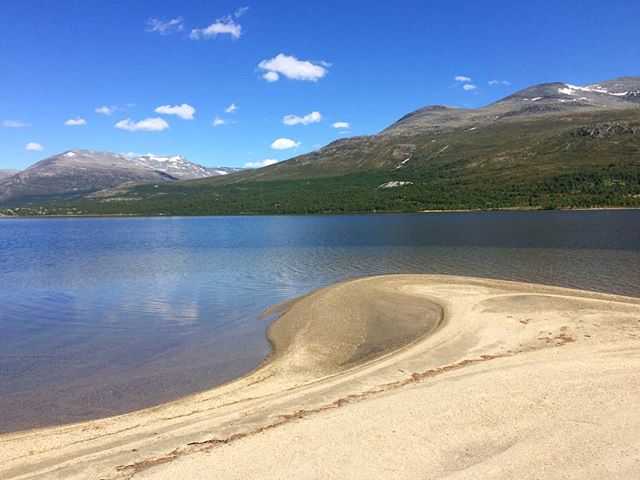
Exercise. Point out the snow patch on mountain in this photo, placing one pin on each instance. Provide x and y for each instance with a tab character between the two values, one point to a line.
174	165
569	89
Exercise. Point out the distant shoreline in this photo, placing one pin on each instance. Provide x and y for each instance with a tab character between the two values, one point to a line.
509	209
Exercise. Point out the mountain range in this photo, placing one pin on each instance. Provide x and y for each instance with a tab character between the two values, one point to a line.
547	146
81	172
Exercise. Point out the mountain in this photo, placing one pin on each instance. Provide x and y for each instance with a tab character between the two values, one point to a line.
540	100
547	146
7	172
215	171
82	172
75	172
422	133
179	167
175	165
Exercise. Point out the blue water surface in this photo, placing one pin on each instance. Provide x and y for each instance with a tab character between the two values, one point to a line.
105	315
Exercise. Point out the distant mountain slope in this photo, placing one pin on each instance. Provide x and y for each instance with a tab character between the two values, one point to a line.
546	99
7	172
547	146
585	160
215	171
175	165
73	173
81	172
543	105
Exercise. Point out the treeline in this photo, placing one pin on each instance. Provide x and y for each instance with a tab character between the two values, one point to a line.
361	192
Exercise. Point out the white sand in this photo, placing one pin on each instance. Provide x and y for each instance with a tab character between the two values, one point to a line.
517	381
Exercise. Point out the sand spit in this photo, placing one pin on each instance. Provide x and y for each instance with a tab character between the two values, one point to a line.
401	376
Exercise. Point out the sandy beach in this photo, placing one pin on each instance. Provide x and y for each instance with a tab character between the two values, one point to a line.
398	376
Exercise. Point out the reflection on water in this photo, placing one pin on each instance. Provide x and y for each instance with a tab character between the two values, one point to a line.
99	316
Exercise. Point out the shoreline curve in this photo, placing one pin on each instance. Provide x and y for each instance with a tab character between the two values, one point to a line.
346	355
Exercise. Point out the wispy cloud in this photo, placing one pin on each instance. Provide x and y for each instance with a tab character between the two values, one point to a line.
467	87
313	117
106	110
222	26
240	12
14	124
341	125
292	68
231	108
147	125
284	144
219	121
499	82
33	147
184	111
75	122
264	163
462	78
163	27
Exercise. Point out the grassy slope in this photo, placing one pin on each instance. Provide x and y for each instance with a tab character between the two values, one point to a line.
527	164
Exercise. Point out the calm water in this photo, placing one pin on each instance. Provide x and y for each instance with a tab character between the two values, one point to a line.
99	316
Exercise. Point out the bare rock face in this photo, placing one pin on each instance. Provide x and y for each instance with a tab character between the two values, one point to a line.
403	151
605	130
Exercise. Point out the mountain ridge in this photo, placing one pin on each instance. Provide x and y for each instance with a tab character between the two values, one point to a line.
81	172
546	146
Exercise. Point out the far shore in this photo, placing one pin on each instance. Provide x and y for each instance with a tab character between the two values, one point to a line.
506	209
395	376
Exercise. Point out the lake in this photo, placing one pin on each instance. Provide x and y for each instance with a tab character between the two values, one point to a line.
100	316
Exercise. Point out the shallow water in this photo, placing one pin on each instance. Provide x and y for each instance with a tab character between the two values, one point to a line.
106	315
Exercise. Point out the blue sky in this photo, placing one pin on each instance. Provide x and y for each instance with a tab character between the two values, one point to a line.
364	63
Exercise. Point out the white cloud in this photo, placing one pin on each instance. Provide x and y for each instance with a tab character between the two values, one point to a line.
468	87
271	77
165	27
499	82
264	163
341	125
240	12
105	110
313	117
33	147
147	125
231	108
74	122
184	111
284	144
222	26
462	78
219	121
292	68
14	124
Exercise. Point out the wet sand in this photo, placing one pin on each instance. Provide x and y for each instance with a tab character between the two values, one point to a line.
400	376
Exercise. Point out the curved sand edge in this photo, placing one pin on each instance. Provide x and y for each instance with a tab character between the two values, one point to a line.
548	374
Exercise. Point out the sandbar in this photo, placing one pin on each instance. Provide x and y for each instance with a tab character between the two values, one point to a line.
395	376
